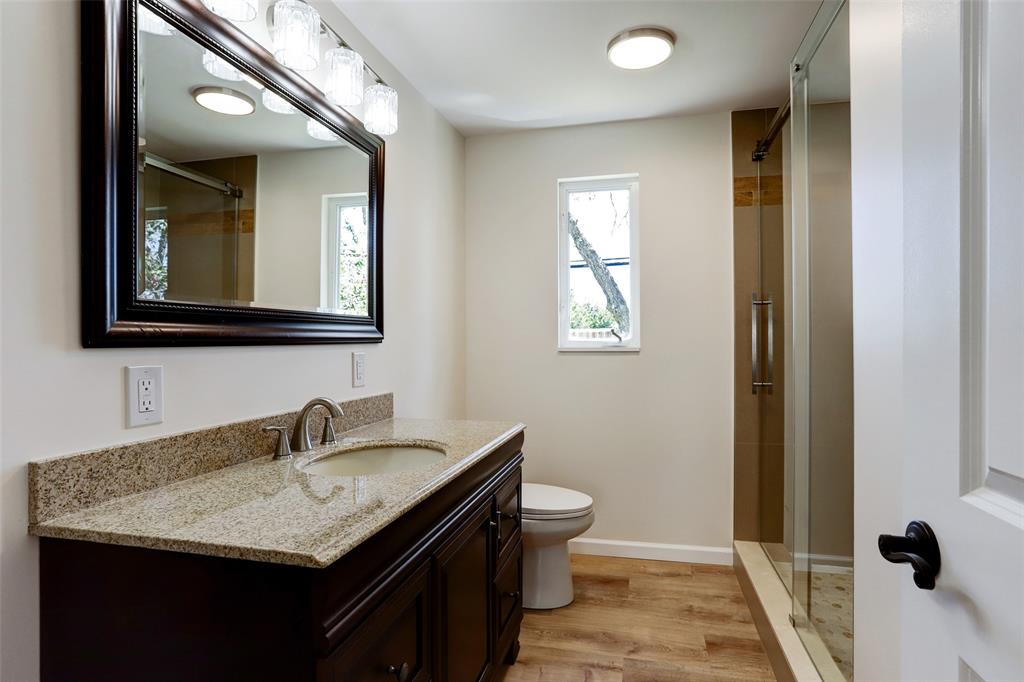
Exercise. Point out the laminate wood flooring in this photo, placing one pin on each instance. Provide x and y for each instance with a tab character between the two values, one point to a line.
643	621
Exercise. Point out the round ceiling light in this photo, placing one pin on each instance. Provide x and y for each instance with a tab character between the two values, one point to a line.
224	100
641	48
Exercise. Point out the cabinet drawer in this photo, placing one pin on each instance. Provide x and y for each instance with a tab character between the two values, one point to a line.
393	643
508	517
508	591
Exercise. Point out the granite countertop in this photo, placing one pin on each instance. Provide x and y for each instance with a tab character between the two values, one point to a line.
265	510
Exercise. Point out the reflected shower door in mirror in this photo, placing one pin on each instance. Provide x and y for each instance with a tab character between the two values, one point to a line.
244	200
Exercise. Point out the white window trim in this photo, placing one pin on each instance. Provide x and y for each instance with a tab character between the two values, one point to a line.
329	244
630	181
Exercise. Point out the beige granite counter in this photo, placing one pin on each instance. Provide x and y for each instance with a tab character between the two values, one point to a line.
264	510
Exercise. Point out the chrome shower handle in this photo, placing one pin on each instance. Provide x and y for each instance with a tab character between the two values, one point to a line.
755	363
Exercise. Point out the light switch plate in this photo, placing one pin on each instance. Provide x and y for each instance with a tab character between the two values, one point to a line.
358	370
144	395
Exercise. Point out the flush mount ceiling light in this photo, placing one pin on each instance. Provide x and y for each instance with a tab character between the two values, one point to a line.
641	48
224	100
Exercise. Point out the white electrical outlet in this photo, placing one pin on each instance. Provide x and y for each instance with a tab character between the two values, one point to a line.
358	370
144	399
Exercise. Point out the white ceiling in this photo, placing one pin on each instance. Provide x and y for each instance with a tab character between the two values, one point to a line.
494	65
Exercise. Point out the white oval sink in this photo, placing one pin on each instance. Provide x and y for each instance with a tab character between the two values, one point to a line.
374	459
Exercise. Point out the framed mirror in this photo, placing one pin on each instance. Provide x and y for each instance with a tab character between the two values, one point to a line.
225	199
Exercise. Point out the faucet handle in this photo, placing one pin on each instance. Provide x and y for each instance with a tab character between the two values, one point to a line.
328	437
284	450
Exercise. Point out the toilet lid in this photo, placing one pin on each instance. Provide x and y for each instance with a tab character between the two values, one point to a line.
549	500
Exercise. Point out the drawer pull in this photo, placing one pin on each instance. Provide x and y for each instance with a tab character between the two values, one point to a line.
401	673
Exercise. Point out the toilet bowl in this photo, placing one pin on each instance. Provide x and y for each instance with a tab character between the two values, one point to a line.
551	517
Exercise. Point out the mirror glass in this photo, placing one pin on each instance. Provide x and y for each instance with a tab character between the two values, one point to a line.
243	201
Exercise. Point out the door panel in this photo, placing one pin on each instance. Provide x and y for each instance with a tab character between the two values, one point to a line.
464	576
958	375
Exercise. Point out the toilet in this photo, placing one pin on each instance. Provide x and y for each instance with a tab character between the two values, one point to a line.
551	517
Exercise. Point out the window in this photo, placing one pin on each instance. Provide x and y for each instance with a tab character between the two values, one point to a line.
344	270
598	270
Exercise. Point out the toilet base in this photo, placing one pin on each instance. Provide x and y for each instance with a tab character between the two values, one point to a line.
547	577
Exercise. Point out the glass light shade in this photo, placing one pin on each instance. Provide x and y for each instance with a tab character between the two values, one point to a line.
224	101
151	23
220	67
319	131
296	35
380	109
344	84
640	48
235	10
252	81
274	102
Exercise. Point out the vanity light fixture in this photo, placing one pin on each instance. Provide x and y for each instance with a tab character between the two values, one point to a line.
216	65
274	102
151	23
295	30
641	48
295	33
224	100
319	131
235	10
344	84
380	109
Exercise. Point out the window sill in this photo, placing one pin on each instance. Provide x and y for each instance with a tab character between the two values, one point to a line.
598	349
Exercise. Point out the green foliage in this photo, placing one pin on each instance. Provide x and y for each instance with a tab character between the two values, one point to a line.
586	315
154	267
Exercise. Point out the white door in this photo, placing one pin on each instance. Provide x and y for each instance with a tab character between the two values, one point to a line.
937	118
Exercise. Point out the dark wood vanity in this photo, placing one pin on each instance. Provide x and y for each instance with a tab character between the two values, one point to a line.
436	595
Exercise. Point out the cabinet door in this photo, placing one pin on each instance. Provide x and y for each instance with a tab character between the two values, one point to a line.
393	644
465	574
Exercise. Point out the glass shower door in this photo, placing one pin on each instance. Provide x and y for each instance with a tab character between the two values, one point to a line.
823	345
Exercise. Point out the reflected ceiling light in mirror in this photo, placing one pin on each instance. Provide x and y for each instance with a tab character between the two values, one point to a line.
319	131
274	102
151	23
344	83
641	48
380	109
295	34
224	100
235	10
220	67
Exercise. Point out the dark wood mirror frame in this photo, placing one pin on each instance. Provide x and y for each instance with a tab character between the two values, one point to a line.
112	315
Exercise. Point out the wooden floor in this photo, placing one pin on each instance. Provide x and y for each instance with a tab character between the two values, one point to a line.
643	621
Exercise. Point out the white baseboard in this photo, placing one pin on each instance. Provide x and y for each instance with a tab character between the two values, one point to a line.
654	551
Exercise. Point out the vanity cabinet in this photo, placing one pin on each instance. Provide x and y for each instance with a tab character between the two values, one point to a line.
435	595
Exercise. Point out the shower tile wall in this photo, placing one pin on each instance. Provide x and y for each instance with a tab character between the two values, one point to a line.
759	472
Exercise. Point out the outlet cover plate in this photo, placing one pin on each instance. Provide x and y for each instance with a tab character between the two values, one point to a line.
144	395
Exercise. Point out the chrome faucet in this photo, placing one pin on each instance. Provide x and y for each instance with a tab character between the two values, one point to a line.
300	433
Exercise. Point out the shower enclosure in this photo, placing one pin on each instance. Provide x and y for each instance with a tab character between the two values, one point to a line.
794	341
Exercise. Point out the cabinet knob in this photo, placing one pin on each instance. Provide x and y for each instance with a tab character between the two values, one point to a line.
512	595
401	672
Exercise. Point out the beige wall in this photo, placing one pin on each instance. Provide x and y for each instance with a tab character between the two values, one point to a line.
289	204
58	398
649	435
